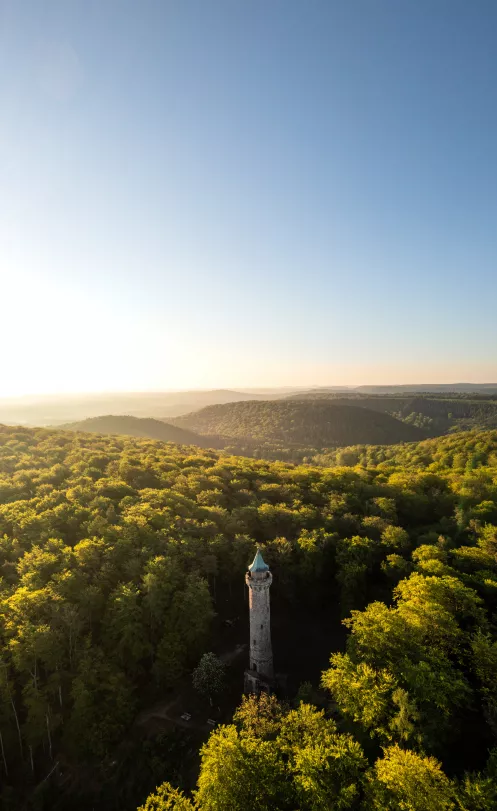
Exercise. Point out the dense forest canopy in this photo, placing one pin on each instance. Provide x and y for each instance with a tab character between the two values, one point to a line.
121	558
455	452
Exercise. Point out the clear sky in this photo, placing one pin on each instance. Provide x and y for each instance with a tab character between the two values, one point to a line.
247	193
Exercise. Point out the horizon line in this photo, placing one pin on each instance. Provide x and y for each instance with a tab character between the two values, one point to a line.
237	389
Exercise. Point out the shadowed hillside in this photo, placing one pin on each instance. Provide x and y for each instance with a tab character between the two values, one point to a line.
149	428
314	423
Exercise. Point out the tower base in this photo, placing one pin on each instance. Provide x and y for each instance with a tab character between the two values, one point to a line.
255	683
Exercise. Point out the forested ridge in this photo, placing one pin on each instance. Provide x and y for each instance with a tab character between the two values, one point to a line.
266	430
314	423
310	425
117	553
435	414
141	427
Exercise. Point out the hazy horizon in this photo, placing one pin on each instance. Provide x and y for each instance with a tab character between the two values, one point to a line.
239	389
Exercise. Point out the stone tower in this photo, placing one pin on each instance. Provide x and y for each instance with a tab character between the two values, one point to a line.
260	674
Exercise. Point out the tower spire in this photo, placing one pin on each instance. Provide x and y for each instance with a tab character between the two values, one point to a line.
258	564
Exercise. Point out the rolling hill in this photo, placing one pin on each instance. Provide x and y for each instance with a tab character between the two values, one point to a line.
312	424
437	415
146	428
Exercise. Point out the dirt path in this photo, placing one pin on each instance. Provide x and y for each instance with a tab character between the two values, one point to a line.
187	700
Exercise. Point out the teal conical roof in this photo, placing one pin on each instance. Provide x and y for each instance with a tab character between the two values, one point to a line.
258	564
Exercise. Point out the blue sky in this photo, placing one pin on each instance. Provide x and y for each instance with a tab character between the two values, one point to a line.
244	193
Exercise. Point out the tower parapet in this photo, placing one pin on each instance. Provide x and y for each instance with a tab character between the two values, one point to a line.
260	674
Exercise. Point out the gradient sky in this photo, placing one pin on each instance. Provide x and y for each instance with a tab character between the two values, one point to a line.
247	193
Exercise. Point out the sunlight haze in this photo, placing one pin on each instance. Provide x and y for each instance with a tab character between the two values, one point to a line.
219	194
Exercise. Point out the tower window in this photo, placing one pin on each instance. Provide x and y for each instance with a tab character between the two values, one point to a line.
262	626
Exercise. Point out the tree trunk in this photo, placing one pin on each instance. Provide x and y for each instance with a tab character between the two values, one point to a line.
17	725
49	737
3	756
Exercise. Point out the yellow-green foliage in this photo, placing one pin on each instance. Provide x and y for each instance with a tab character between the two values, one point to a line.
115	554
167	798
405	781
298	760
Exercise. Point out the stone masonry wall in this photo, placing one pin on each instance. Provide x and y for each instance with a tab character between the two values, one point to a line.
261	654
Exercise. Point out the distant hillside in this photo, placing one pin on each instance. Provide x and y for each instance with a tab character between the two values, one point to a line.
429	387
317	424
436	415
56	410
147	428
375	402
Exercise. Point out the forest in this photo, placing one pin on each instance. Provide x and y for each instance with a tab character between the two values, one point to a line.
122	563
267	430
314	423
308	426
434	413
